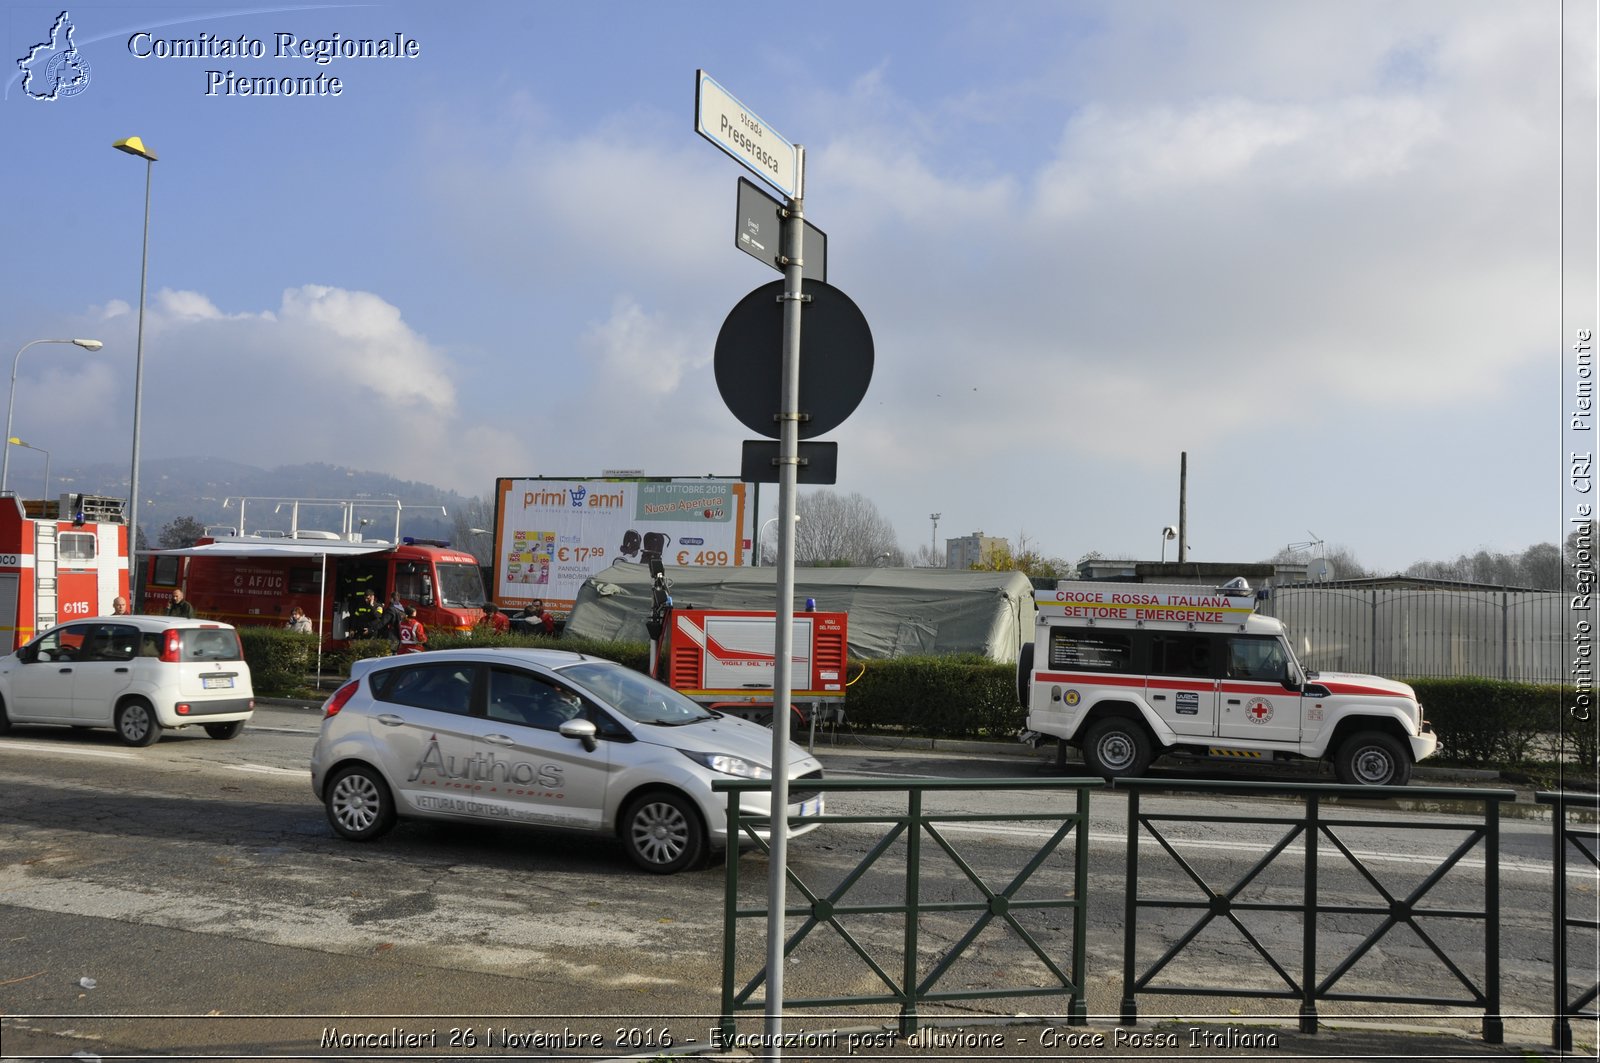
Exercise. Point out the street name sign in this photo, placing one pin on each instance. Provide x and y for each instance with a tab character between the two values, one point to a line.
758	232
733	127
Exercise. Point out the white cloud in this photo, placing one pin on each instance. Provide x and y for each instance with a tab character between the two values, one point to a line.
634	350
372	348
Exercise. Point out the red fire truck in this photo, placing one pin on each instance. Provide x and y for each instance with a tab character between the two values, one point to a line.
62	559
256	580
726	659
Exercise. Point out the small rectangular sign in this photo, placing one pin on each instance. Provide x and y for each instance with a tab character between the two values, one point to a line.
819	462
734	128
758	232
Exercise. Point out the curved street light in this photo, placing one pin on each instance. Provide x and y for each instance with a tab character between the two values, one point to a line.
135	146
5	463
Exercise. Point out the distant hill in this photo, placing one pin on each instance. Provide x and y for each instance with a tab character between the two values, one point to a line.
198	487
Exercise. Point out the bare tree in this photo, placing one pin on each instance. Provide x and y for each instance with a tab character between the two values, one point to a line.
1339	558
842	530
473	524
1541	567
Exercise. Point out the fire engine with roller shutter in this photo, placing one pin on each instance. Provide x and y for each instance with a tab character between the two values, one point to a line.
61	559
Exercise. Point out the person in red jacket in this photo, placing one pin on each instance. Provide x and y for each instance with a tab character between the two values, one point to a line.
494	622
413	636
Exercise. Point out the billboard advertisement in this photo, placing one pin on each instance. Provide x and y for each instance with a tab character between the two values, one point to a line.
551	535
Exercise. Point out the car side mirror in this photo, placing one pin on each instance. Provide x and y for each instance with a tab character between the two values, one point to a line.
583	730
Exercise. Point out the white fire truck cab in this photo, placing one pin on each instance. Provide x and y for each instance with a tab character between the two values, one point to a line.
1128	672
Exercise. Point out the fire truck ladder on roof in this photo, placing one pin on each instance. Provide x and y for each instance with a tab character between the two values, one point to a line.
44	574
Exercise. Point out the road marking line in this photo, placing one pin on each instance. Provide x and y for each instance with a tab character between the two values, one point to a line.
265	769
74	751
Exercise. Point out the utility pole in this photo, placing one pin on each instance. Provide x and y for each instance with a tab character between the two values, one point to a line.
1183	507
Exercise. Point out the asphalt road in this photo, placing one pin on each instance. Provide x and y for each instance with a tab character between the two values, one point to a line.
190	900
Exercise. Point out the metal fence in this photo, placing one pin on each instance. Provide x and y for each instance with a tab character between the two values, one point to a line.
1313	833
1437	632
897	969
1575	912
1318	937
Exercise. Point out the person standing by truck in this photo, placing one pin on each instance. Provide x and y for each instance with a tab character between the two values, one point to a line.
180	605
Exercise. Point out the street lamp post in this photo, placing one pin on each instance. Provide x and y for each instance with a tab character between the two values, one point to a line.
762	535
1168	534
13	441
135	146
5	463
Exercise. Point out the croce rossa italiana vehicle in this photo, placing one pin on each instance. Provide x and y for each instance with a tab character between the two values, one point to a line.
1128	672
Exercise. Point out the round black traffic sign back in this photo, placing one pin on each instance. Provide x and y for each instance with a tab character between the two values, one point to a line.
835	359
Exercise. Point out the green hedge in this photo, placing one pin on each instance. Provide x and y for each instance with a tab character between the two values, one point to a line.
1497	722
957	696
279	660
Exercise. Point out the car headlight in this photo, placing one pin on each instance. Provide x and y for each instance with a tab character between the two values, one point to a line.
729	765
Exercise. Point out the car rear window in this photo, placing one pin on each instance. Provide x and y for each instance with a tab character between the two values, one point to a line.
446	687
211	644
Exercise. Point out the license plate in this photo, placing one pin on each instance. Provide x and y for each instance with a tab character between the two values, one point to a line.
216	682
812	807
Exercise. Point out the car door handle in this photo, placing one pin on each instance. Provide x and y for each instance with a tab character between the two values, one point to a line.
1158	697
389	719
64	671
1233	701
500	740
123	669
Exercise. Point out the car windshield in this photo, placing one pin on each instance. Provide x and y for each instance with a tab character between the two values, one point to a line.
460	585
633	694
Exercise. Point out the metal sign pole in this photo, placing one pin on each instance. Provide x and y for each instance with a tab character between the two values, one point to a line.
783	639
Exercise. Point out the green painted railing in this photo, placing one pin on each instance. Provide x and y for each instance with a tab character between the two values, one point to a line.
910	978
1584	839
1313	825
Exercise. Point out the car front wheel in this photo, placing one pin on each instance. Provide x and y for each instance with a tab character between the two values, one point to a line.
662	833
137	724
360	806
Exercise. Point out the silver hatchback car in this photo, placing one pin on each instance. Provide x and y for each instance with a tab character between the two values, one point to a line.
544	738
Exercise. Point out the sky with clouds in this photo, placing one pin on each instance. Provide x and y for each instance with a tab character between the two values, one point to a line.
1315	245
